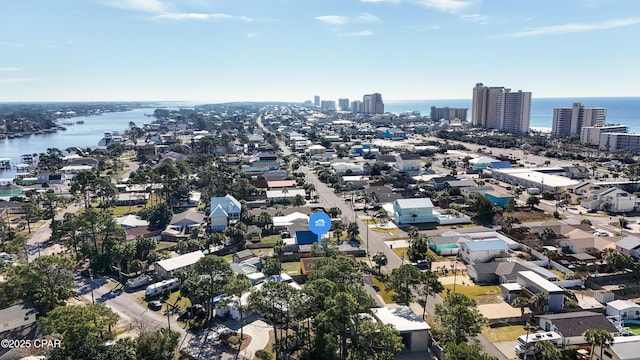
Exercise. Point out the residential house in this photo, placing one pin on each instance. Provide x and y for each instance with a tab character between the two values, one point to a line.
347	168
630	245
499	198
622	348
625	309
392	133
503	272
445	245
580	242
242	255
462	183
182	224
535	285
613	199
412	328
576	172
413	211
132	199
17	317
482	162
253	234
572	325
224	211
440	182
12	207
473	252
408	162
283	194
165	268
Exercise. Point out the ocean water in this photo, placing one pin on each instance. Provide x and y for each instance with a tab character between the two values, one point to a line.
620	110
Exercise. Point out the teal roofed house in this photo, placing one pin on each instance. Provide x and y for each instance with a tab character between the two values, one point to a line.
413	211
499	198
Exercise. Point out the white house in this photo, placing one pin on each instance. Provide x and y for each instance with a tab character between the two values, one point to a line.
612	199
626	309
413	211
224	211
536	284
412	328
629	245
342	168
281	194
623	348
165	268
481	251
408	162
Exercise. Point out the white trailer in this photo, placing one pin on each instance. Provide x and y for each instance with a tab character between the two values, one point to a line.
160	287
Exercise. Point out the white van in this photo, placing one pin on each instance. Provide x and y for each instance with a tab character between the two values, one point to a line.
160	287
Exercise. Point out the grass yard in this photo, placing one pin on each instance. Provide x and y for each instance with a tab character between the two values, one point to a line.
386	295
271	239
291	268
472	291
501	332
635	328
164	244
401	252
385	230
182	303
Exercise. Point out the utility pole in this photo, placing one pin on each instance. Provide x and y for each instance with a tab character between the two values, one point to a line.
168	317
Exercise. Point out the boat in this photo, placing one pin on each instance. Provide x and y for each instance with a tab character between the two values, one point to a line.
5	163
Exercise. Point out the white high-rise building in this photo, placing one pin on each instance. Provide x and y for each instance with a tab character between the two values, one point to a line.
569	121
343	104
373	104
590	135
328	105
316	101
500	108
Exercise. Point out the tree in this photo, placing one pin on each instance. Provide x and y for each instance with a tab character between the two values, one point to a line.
217	273
79	323
337	233
586	222
353	231
236	287
483	208
532	201
459	317
429	285
157	345
159	216
599	338
298	200
82	184
507	223
465	351
521	302
264	220
547	350
548	234
46	281
32	212
334	212
404	281
375	341
271	266
381	260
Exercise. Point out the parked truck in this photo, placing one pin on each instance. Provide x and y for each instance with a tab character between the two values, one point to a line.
160	287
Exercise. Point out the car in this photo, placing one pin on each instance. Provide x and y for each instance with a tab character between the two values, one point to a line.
155	305
601	233
422	264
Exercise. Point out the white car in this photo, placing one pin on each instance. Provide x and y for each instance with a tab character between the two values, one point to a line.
601	233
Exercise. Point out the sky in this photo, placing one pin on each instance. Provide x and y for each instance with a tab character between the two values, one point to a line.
291	50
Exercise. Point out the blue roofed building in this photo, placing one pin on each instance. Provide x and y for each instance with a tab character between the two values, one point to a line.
499	198
413	211
305	237
224	211
481	251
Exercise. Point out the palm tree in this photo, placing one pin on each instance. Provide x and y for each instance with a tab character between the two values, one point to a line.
521	302
601	338
547	350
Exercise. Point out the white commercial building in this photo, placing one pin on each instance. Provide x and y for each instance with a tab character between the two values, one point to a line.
529	178
590	135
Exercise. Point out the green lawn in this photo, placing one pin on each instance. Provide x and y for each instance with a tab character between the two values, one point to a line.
182	303
401	252
291	268
501	333
164	244
635	328
472	291
271	239
386	296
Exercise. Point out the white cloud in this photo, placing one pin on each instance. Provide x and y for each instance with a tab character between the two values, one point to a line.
7	69
356	34
450	6
149	6
251	35
200	16
476	18
367	18
574	28
333	19
341	20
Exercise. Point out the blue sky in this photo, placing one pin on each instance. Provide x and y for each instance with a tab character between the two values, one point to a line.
291	50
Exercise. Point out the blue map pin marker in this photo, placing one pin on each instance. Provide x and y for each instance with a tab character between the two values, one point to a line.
319	224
